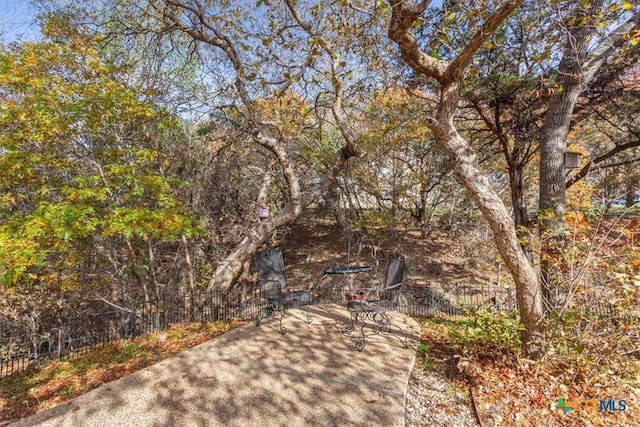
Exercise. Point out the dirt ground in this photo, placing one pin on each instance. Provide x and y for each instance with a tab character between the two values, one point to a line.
440	257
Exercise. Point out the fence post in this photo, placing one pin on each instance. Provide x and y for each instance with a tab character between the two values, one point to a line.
132	323
61	341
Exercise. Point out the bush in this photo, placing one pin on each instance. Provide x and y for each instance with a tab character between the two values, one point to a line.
486	333
590	344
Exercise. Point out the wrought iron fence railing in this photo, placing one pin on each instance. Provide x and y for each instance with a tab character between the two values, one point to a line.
24	345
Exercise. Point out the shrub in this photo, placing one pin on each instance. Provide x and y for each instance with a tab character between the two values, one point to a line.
591	344
485	333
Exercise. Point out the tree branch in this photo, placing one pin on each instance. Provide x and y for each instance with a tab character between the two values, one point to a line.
606	47
584	170
218	40
288	169
336	81
456	68
403	17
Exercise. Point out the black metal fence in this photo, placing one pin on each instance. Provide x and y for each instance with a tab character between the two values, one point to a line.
23	345
439	300
75	335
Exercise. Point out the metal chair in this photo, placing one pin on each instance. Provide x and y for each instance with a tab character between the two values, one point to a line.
369	306
269	265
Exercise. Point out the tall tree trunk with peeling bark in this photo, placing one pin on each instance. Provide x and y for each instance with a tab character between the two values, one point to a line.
449	74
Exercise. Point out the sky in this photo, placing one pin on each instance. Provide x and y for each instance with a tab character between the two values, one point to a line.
16	21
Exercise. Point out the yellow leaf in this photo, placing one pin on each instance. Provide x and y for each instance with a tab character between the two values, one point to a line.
626	5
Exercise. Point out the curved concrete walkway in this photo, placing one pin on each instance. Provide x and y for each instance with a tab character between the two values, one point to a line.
253	376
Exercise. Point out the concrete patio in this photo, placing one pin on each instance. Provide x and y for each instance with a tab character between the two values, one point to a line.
254	376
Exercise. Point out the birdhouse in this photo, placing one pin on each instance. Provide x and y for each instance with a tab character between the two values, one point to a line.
572	159
263	212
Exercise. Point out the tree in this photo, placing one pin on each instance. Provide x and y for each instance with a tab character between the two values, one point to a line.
515	78
250	55
512	80
609	129
88	195
449	75
586	49
413	175
507	91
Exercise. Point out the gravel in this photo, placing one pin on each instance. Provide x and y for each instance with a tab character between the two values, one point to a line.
434	400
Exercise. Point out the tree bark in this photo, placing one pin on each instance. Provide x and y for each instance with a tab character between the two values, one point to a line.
497	215
576	70
521	218
632	182
230	268
572	81
518	197
449	75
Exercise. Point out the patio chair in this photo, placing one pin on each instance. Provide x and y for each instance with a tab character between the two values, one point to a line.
269	265
368	307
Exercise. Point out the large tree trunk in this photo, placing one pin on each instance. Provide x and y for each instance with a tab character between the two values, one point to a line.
576	70
552	192
497	215
572	81
449	75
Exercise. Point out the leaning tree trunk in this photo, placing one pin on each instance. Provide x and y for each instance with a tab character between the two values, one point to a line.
449	74
226	273
497	215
